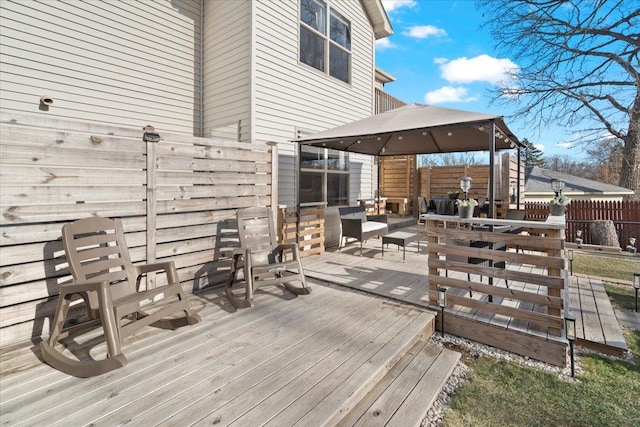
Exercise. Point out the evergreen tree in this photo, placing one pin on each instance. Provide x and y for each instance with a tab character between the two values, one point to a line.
530	155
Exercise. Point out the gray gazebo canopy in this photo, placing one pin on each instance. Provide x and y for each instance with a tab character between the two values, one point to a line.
420	129
417	129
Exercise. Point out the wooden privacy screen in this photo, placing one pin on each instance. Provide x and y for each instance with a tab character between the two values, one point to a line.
527	316
438	180
177	199
399	180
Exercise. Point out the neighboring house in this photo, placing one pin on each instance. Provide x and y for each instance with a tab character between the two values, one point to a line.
240	70
537	187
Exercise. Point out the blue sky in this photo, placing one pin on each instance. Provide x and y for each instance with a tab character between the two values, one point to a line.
440	55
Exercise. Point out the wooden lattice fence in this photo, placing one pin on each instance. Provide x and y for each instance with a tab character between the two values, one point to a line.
624	214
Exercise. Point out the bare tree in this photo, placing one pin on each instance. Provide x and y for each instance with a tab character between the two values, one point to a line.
448	159
607	160
578	65
566	164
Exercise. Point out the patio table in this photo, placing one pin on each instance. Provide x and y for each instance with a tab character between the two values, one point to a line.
400	238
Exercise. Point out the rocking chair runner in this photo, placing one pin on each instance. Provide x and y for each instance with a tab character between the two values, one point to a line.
264	258
110	285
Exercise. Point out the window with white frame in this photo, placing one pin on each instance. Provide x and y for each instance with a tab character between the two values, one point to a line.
324	176
325	44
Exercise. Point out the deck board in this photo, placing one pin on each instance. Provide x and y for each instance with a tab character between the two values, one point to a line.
591	324
233	364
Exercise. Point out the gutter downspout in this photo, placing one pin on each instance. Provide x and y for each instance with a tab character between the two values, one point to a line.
201	83
518	180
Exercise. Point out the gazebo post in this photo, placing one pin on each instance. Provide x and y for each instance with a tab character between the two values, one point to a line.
492	165
376	199
518	180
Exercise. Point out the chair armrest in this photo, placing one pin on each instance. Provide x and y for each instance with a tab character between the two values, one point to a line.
155	266
378	218
168	267
285	246
293	247
77	287
352	227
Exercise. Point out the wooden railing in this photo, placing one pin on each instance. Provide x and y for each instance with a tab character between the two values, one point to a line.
386	102
540	283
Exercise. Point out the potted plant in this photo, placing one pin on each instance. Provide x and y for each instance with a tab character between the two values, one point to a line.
466	207
453	194
558	205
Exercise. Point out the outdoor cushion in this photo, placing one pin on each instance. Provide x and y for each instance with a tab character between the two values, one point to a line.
356	224
369	226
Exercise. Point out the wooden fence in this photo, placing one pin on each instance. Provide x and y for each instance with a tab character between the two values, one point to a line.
534	298
177	199
580	213
439	180
397	183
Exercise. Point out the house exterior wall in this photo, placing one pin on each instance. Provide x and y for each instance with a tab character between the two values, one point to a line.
227	69
289	95
115	63
132	64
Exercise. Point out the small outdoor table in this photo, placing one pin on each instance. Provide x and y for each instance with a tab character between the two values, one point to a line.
400	238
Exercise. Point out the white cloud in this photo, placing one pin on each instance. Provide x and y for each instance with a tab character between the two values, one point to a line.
424	31
384	43
448	94
539	146
391	5
481	68
440	60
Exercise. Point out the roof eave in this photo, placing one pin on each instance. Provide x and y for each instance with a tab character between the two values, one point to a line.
378	18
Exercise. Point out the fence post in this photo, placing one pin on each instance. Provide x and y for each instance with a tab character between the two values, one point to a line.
553	292
274	176
151	139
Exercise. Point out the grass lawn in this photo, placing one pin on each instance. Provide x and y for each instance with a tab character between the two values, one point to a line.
621	296
499	393
605	392
618	266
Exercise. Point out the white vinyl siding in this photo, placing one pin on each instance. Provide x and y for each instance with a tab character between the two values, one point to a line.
227	68
288	94
116	63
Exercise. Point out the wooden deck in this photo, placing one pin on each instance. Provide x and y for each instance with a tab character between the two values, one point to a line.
407	282
335	357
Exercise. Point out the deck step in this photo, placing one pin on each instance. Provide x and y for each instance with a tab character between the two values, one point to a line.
340	391
407	392
597	327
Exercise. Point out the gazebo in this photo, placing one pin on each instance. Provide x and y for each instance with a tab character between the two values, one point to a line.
422	129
